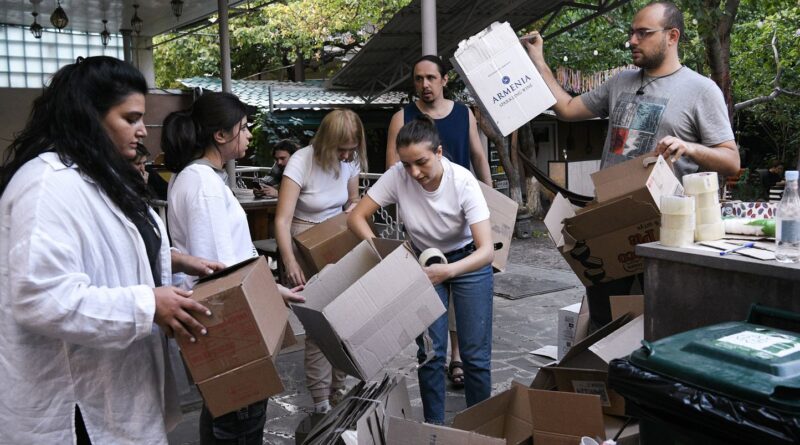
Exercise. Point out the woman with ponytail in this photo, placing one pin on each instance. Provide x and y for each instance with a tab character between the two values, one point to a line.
205	219
85	268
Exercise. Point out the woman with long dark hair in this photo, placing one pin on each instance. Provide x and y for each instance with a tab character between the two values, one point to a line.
205	219
84	270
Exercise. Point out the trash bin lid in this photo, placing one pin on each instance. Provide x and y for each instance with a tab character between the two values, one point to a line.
741	360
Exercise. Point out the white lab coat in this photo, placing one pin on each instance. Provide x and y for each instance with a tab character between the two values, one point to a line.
76	315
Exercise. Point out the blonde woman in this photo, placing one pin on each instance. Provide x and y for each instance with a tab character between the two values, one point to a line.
319	182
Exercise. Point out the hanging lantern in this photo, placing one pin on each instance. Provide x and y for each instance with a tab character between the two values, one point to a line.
105	36
136	21
36	28
177	8
59	17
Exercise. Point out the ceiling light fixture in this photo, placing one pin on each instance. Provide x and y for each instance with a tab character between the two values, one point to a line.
177	8
59	17
136	21
105	36
36	28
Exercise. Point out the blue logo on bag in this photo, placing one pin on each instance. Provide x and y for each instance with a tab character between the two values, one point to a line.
506	80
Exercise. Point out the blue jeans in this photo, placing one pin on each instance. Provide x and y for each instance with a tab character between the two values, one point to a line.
472	302
242	427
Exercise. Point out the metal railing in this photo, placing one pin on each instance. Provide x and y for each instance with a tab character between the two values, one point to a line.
386	219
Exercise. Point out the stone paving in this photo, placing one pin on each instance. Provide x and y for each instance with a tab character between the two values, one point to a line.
520	326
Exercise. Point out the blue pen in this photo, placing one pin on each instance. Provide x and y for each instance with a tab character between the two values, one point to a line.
743	246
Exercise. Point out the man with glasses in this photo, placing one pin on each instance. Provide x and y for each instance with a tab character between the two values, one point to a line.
663	106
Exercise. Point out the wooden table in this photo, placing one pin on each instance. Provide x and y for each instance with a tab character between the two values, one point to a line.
686	288
260	216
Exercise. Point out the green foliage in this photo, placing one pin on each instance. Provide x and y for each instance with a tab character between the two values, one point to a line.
776	123
748	188
272	38
268	130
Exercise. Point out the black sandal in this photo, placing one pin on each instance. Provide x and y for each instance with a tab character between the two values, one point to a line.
457	380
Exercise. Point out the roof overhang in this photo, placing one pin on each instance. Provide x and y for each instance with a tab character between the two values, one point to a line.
384	63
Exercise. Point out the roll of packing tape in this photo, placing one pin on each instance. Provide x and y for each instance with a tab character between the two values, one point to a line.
676	238
709	232
706	200
677	222
431	256
677	205
697	183
709	215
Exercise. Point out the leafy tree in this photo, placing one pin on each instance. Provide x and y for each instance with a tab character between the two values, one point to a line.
282	38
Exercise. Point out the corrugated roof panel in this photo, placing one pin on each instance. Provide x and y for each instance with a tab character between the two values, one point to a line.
291	94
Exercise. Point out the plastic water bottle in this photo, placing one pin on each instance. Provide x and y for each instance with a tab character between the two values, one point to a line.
787	229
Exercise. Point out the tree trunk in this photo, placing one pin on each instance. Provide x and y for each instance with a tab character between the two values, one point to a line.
502	150
718	48
299	67
533	188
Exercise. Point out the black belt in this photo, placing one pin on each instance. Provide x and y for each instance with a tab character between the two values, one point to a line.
469	248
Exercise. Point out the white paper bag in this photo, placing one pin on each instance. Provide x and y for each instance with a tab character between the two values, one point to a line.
502	78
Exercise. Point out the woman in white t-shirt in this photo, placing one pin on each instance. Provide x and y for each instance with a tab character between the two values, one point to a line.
442	206
319	182
206	219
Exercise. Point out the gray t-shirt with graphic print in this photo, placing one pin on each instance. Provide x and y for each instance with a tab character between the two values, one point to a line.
685	105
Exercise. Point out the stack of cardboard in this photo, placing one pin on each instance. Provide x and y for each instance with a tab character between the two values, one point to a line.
364	413
598	241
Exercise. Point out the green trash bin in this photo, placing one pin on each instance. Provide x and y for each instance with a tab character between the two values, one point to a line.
731	383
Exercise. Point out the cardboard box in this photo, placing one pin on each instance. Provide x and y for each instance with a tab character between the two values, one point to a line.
233	366
326	242
502	78
367	307
521	415
562	418
584	369
573	326
503	217
598	241
506	415
626	304
407	432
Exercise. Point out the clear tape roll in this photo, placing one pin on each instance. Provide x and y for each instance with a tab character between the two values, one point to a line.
709	215
677	222
431	256
676	238
706	200
697	183
677	205
709	232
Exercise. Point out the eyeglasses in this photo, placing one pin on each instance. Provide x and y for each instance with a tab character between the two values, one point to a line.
641	33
